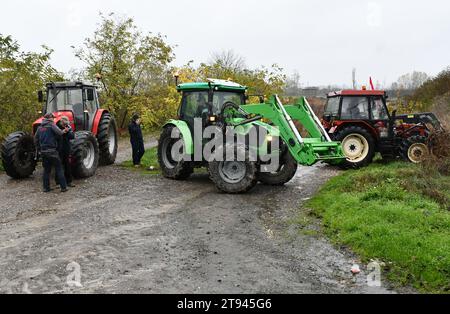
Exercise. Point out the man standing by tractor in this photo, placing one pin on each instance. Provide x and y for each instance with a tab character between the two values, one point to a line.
137	140
46	139
65	148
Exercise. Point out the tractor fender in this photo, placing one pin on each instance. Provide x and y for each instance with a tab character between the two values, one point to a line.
36	124
342	124
96	121
185	132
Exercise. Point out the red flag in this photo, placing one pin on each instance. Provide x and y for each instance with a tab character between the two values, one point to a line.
371	84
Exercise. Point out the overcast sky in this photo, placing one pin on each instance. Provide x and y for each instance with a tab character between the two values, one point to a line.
323	40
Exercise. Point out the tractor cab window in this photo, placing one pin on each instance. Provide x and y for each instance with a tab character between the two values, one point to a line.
332	107
379	111
65	99
91	106
194	104
355	108
220	98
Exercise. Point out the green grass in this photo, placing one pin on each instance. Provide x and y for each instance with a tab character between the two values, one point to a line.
150	159
395	213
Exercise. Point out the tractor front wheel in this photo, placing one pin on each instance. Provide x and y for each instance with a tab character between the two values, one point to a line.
286	171
415	149
170	166
234	176
107	140
18	155
85	155
358	146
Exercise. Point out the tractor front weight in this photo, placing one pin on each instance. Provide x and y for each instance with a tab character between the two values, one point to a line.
305	150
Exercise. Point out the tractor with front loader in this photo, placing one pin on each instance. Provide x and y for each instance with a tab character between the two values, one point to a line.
223	105
360	119
95	132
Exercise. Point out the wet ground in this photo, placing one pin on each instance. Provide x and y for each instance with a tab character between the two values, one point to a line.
124	232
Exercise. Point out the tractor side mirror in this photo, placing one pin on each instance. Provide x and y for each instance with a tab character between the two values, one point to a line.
328	117
41	96
261	99
90	94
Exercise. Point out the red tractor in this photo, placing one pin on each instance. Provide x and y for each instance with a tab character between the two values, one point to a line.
95	132
360	119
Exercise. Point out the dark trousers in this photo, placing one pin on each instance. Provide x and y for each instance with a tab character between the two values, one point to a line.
50	161
138	151
65	161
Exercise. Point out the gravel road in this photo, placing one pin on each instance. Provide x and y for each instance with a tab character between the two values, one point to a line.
124	232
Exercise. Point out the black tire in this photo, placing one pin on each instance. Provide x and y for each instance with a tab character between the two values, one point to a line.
107	140
85	155
171	169
360	135
244	181
18	155
414	149
288	169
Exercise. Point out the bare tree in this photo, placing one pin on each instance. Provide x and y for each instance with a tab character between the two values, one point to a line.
293	85
228	60
412	80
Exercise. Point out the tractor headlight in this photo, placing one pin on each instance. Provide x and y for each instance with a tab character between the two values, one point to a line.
269	138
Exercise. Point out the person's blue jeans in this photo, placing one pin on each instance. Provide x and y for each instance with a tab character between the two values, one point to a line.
50	161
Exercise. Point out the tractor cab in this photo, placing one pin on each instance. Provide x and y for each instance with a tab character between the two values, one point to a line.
368	108
76	100
205	100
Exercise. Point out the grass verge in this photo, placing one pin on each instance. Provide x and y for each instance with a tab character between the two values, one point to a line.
398	214
150	159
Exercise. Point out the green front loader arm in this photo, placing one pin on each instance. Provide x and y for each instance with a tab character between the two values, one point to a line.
307	151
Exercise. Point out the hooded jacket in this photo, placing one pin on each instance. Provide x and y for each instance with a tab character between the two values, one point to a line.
48	136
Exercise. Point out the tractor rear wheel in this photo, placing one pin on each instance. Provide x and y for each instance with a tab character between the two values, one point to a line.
286	171
234	176
358	146
415	149
18	155
107	140
85	155
172	169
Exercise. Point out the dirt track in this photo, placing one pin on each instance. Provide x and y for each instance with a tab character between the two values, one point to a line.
132	233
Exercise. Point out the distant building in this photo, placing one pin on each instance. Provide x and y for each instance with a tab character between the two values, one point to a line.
310	92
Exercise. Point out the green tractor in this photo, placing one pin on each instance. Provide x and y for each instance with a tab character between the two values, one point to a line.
260	133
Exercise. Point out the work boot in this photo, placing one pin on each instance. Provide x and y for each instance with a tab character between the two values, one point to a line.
71	185
47	190
64	190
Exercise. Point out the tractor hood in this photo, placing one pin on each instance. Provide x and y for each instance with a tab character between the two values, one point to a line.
58	115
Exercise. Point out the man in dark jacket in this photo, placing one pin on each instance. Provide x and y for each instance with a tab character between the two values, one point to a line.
46	139
137	140
64	148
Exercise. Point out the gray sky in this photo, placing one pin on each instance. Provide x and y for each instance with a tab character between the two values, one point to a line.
323	40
